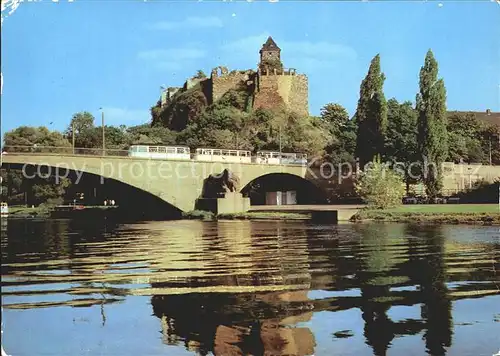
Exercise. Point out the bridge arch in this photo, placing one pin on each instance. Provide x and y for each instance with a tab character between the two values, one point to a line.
159	198
307	191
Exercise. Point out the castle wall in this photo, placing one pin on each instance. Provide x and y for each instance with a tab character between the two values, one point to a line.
222	84
287	90
267	95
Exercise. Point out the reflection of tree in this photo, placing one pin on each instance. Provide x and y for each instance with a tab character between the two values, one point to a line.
374	279
436	309
380	270
426	269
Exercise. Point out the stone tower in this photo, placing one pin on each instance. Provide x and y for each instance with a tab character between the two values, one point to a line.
270	56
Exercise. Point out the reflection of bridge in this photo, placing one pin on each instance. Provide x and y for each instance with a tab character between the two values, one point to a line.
176	182
387	271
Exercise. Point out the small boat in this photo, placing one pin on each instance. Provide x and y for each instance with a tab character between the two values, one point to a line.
4	208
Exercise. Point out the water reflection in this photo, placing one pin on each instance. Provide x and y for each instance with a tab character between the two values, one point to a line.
260	288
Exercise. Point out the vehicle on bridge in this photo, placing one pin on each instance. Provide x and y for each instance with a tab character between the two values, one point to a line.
222	155
271	157
160	152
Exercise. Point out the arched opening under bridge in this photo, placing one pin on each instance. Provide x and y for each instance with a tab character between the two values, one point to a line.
306	191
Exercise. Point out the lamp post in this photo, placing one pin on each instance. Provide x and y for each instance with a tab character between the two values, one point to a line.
103	133
73	135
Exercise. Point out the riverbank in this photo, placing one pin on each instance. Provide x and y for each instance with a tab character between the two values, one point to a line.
484	214
50	211
23	212
208	216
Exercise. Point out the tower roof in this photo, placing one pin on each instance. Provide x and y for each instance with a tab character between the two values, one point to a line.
270	45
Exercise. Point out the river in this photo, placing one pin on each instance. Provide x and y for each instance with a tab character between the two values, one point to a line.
248	287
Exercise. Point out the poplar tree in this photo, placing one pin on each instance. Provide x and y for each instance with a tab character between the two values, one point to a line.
371	114
432	133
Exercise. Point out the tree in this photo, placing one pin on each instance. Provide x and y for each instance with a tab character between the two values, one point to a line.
379	186
31	136
336	117
432	133
342	145
80	121
371	114
48	192
146	134
401	140
200	74
490	140
465	135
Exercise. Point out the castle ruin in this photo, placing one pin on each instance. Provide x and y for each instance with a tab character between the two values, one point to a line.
272	86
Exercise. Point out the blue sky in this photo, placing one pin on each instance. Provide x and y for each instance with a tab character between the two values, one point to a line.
61	58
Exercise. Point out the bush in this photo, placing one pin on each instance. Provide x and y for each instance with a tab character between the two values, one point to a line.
380	187
199	215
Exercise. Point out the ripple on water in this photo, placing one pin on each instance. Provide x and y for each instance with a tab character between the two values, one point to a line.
249	287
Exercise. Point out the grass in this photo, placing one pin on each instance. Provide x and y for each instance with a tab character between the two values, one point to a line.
488	214
23	211
199	215
445	208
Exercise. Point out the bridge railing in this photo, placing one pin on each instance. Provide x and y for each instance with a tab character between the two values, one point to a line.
52	150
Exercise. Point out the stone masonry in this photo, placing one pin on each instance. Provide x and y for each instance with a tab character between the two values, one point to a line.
271	86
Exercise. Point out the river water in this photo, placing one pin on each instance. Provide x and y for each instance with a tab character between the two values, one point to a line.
249	287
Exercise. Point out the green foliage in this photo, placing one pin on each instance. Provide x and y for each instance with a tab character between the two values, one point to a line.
379	186
200	75
147	134
46	190
12	185
336	116
271	64
235	98
490	141
401	139
80	121
466	135
371	114
184	108
199	215
432	132
29	136
342	145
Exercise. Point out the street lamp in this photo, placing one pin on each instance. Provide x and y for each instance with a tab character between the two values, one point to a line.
73	134
103	133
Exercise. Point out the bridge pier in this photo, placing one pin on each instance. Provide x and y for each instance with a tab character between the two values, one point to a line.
231	203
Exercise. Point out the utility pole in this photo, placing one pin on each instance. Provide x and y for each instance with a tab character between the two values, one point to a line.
73	134
103	135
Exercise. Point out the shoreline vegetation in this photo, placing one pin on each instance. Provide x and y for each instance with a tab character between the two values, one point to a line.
485	214
479	214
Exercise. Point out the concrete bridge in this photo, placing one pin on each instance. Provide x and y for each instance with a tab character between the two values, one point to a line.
176	182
